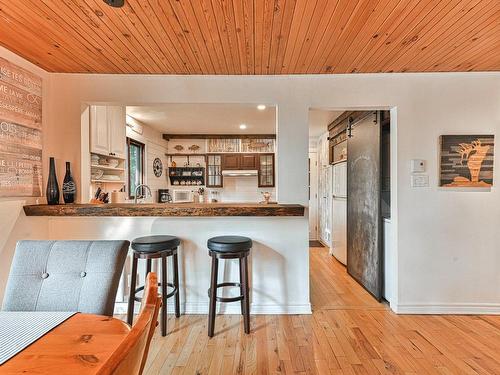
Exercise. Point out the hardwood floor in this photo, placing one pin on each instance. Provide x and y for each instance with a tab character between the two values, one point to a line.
349	333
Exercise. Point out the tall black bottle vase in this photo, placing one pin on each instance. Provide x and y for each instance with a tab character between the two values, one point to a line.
69	186
52	191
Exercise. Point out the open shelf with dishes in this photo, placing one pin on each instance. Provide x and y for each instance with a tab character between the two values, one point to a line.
107	169
186	176
102	181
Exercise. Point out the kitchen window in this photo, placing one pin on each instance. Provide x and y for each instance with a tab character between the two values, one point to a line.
135	152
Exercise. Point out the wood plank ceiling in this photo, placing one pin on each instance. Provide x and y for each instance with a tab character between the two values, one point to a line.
254	37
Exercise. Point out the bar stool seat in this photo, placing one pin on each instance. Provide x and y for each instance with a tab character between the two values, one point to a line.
153	244
229	247
229	244
149	248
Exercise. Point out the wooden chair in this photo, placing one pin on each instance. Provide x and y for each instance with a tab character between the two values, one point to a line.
130	357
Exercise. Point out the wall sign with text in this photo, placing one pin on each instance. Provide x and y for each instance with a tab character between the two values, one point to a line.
20	132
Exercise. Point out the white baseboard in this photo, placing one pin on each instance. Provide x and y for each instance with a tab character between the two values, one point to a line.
281	310
449	308
233	308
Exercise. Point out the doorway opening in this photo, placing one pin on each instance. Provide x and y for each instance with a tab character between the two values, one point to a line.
350	203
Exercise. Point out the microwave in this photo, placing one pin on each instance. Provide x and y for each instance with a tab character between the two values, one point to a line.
182	196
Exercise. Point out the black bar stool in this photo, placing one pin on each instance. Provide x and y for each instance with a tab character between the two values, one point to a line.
229	247
149	248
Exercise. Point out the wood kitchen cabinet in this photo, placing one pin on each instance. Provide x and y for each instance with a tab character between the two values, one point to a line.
266	170
240	161
231	161
214	170
248	161
107	130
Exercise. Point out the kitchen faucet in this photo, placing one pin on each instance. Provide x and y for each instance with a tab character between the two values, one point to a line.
137	190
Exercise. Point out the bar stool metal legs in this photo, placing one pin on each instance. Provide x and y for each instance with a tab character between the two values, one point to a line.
131	295
242	290
176	283
213	296
149	248
164	295
164	285
246	300
242	285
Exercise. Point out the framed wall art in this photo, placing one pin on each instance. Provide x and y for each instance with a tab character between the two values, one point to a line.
466	160
20	132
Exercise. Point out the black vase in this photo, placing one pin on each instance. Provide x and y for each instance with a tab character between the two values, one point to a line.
52	185
69	186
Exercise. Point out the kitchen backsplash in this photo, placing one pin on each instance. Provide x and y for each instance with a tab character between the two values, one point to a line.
242	189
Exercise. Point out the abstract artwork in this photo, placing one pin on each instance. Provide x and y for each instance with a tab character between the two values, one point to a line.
466	160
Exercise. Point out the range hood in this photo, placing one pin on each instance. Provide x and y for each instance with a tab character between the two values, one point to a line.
239	173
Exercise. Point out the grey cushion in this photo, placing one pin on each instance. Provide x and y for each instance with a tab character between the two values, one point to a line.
65	276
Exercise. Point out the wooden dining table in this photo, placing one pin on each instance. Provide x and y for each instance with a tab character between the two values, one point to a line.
80	345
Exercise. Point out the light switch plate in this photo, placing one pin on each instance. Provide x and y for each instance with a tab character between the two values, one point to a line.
420	180
417	166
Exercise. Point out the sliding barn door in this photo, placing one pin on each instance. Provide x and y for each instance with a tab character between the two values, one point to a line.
364	250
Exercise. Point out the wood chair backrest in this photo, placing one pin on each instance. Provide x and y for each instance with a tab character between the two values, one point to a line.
130	357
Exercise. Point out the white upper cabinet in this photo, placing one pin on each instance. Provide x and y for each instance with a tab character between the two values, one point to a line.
117	130
99	134
107	130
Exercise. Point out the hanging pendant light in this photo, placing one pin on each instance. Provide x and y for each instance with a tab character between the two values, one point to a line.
115	3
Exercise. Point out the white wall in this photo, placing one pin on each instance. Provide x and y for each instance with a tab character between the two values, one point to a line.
447	258
446	240
13	224
276	265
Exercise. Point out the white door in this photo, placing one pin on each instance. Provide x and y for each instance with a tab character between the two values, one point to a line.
99	130
339	212
327	199
339	229
117	130
324	192
340	180
313	196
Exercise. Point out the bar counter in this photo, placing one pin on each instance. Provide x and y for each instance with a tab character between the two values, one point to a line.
278	262
166	209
